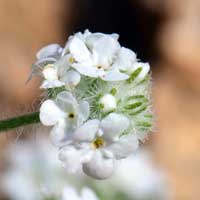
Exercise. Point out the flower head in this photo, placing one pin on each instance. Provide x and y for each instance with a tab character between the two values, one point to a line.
100	106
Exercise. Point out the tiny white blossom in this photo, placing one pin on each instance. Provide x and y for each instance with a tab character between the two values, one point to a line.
69	193
55	68
97	145
65	114
94	55
127	61
88	38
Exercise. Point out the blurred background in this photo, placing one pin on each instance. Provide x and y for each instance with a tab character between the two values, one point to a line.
164	33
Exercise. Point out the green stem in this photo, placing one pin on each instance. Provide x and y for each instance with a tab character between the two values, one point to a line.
23	120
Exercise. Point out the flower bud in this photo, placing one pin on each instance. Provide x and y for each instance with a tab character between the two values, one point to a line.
50	73
108	103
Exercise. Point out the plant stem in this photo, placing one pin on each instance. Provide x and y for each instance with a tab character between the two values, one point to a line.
15	122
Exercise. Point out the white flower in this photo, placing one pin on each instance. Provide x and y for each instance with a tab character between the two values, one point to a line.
108	103
69	193
94	55
96	145
65	114
138	177
55	68
88	38
126	61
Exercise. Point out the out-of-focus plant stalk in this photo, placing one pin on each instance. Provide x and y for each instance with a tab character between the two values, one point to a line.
15	122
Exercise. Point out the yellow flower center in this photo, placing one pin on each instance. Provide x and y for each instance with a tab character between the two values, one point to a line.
99	67
71	60
98	143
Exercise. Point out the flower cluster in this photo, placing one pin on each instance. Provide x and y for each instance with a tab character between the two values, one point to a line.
97	101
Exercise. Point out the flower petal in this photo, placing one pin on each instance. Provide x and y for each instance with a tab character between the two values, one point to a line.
125	59
73	158
79	50
87	131
92	38
99	167
69	193
104	51
83	36
71	78
126	145
52	50
145	70
50	113
114	75
88	194
61	133
63	64
86	69
66	96
78	35
51	84
114	125
115	36
84	110
66	101
44	61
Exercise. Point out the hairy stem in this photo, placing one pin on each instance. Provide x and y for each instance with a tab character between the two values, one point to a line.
15	122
